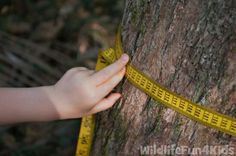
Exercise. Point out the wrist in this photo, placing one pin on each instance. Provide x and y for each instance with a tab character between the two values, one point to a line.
59	100
52	101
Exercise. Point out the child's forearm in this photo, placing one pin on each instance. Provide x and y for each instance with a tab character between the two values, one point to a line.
26	105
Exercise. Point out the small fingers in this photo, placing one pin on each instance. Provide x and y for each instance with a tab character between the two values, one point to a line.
106	73
107	86
105	103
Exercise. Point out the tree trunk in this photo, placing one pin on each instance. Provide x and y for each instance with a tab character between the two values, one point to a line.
188	46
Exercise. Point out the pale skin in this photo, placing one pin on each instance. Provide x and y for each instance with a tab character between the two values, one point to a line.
78	93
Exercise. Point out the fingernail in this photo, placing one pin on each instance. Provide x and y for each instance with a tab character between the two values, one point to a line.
124	58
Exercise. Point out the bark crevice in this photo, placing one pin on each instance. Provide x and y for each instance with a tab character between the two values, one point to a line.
186	46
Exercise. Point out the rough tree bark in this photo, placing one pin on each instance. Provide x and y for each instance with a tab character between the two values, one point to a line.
187	46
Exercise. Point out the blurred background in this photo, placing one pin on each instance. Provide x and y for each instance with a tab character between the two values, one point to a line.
39	41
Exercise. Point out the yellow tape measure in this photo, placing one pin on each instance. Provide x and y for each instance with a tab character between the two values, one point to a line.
88	123
140	80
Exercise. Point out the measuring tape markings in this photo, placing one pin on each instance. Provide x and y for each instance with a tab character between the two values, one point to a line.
88	123
140	80
194	111
85	135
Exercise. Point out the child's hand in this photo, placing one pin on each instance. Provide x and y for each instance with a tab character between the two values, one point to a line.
82	92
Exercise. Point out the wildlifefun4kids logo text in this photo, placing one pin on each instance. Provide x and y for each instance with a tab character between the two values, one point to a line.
173	149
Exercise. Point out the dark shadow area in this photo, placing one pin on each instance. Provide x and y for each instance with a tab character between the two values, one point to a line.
39	41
